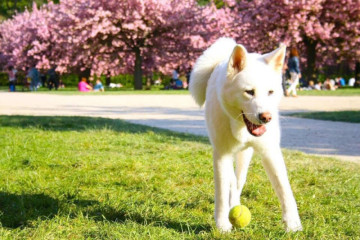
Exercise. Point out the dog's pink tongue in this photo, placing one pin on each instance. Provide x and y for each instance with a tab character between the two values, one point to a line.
259	130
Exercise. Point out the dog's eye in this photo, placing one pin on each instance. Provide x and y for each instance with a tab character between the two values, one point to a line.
250	92
271	92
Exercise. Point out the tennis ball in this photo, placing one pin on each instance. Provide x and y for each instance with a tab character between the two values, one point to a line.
240	216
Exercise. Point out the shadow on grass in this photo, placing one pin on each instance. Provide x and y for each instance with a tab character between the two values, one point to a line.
100	212
17	210
113	215
74	123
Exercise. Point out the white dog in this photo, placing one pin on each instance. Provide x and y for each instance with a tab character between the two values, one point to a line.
242	92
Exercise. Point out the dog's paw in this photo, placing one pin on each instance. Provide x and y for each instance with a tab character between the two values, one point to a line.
224	226
292	224
294	227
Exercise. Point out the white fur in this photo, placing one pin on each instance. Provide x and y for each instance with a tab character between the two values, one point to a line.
223	79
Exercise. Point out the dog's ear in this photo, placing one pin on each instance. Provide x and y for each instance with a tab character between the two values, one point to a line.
276	58
238	59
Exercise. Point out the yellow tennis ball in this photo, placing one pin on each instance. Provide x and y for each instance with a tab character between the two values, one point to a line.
240	216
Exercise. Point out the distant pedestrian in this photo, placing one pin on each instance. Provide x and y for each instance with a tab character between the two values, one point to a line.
188	74
12	78
34	75
294	70
285	77
43	81
53	79
175	74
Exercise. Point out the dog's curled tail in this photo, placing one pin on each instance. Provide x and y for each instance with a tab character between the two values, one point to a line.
205	65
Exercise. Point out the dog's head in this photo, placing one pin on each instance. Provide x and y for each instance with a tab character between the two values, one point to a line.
252	90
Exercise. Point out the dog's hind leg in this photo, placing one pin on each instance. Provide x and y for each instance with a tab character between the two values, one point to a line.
242	159
275	168
223	174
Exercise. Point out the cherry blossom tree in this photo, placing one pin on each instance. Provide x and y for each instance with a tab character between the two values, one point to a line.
112	37
325	30
23	35
139	36
291	22
345	42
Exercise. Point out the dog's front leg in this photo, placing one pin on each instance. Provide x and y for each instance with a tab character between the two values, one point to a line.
243	159
275	168
223	172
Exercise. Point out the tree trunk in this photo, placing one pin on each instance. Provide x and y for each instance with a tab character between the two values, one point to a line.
138	70
310	71
357	71
107	81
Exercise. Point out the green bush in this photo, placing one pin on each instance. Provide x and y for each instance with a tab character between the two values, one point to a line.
4	79
126	80
70	79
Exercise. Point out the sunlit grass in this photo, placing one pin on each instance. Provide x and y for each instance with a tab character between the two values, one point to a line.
337	92
159	90
342	116
95	178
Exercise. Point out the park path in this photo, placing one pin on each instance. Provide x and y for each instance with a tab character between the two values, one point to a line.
179	113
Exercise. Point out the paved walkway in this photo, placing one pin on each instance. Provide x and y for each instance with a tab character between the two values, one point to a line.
179	113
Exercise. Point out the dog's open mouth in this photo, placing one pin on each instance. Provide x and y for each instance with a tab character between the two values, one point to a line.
255	130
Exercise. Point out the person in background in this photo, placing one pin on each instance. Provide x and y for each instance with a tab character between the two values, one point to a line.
99	86
310	86
332	82
12	78
26	80
175	74
284	75
329	84
340	82
179	84
294	70
318	86
351	82
43	78
84	86
53	78
188	74
34	75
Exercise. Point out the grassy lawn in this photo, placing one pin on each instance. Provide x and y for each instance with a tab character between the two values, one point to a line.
158	90
95	178
341	116
337	92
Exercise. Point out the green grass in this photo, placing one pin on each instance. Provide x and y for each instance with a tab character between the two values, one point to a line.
337	92
95	178
157	90
341	116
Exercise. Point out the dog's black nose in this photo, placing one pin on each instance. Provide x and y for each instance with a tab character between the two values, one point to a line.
265	117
